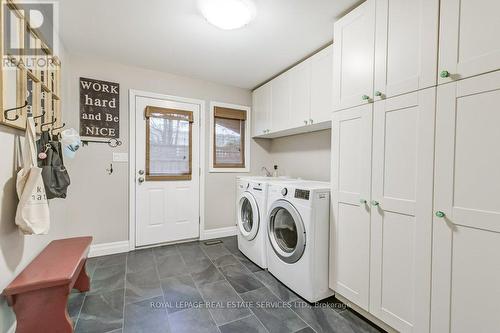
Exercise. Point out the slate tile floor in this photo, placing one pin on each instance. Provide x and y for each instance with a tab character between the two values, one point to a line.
167	289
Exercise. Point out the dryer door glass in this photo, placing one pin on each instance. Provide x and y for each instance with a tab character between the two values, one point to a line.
287	233
247	215
285	230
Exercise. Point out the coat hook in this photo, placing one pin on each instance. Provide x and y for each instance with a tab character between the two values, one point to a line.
58	128
6	112
48	124
40	116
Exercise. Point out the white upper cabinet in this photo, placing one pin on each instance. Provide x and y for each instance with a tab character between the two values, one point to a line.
281	102
297	101
300	77
401	216
469	43
353	60
321	85
261	112
406	42
466	238
350	198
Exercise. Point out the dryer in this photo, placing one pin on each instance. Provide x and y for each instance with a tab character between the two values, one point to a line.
251	208
298	220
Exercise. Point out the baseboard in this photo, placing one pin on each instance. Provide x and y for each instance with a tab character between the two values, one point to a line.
105	249
219	233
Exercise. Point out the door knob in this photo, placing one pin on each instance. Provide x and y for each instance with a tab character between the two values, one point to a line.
140	180
378	93
375	203
365	97
141	172
444	74
440	214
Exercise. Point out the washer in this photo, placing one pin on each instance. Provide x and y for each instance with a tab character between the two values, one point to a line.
298	221
251	208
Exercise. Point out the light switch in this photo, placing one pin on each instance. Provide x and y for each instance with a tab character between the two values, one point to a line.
120	157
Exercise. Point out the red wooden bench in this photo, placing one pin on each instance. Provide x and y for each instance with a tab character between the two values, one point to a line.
39	295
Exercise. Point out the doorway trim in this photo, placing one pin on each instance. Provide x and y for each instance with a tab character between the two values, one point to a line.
133	94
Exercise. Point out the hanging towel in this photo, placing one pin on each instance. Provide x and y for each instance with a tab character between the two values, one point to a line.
32	215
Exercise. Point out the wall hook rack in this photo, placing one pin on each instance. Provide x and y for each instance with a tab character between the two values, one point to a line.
113	143
58	128
40	116
6	112
48	124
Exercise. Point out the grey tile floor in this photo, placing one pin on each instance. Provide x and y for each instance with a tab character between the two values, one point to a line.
198	288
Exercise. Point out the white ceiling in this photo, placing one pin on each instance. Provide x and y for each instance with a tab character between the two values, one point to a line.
172	36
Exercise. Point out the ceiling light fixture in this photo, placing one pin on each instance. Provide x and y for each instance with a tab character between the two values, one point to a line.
228	14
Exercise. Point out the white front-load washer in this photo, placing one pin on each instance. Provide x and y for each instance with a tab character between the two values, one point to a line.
251	208
298	221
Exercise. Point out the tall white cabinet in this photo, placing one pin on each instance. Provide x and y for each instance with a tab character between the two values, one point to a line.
415	234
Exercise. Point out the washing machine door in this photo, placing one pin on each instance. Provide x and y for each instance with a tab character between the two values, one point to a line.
248	216
287	233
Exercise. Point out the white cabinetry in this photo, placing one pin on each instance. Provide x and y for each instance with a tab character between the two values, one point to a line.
469	43
353	57
466	240
298	101
261	101
401	213
350	228
382	208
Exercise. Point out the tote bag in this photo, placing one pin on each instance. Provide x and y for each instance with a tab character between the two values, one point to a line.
32	215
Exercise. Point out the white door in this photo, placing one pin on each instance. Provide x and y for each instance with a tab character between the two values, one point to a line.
468	39
406	46
350	227
262	110
401	216
353	57
167	170
466	239
280	101
321	85
300	80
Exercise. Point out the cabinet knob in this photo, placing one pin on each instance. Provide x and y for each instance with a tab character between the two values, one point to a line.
305	122
444	74
440	214
375	203
378	93
311	121
365	97
362	201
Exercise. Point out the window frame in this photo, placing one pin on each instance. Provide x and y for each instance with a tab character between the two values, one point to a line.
245	142
150	112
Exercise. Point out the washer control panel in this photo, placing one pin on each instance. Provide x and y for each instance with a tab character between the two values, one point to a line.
302	194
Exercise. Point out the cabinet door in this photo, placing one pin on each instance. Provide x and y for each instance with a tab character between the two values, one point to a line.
466	239
321	85
261	110
300	81
281	98
406	46
350	228
401	216
469	43
353	57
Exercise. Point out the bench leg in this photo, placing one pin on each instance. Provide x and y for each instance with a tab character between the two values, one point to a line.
43	310
82	283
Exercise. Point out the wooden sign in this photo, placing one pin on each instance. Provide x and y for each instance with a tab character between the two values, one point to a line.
99	109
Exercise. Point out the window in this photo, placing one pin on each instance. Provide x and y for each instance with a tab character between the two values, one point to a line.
168	144
229	138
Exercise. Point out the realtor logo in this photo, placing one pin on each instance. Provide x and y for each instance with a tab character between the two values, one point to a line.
30	29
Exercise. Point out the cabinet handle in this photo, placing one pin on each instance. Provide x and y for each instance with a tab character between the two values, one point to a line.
444	74
365	97
362	201
375	203
440	214
378	93
305	122
311	121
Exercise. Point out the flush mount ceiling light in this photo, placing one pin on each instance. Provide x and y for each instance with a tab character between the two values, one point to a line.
228	14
